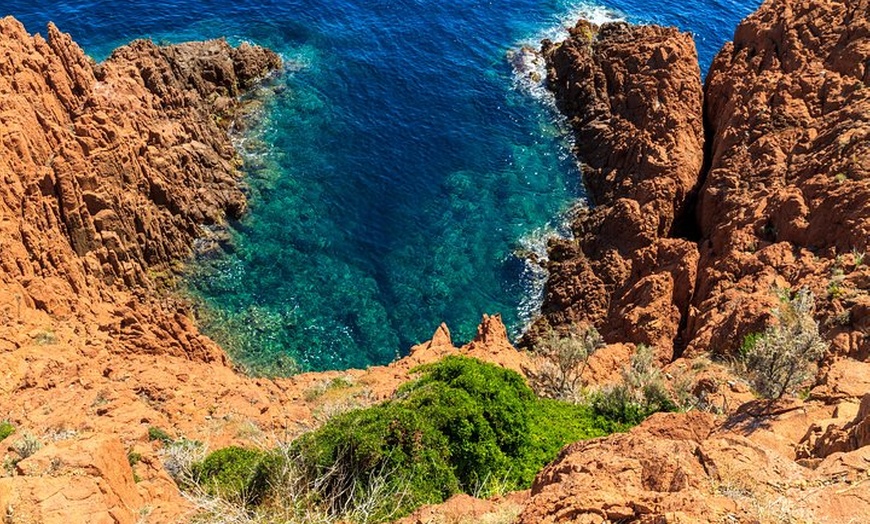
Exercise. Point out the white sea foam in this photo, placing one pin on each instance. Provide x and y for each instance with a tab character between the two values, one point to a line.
529	76
528	65
532	250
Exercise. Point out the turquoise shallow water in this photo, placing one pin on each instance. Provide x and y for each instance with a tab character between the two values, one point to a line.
398	170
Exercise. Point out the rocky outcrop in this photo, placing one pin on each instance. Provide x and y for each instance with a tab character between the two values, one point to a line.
110	171
77	482
691	468
633	97
783	202
786	201
847	431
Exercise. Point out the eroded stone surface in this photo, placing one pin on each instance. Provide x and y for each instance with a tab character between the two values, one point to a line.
633	97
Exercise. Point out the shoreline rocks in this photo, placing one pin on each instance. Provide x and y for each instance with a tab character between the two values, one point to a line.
110	171
633	97
688	240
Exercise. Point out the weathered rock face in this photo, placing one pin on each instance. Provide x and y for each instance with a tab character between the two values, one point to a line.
786	201
689	468
77	482
110	171
633	96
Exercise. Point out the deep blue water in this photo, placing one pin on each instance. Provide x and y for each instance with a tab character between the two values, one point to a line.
399	168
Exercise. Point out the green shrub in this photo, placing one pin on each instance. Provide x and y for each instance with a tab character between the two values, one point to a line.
462	426
6	429
133	457
155	433
552	424
384	442
233	473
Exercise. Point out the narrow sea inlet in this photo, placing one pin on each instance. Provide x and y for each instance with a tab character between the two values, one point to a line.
398	171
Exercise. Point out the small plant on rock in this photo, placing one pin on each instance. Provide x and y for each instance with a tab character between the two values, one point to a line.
155	433
786	354
562	359
179	458
641	393
27	445
6	429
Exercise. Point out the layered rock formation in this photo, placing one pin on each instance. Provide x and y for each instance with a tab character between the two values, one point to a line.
633	97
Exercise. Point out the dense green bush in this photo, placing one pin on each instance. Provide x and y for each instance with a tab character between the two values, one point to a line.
462	426
234	473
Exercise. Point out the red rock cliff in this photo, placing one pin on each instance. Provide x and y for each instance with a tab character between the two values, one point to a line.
633	97
786	201
110	171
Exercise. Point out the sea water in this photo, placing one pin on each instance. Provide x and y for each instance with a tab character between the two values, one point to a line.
400	174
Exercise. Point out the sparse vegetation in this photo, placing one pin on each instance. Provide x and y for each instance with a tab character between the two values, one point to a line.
6	429
835	286
27	445
749	342
133	458
785	355
641	393
234	473
44	337
319	389
155	433
561	361
180	457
